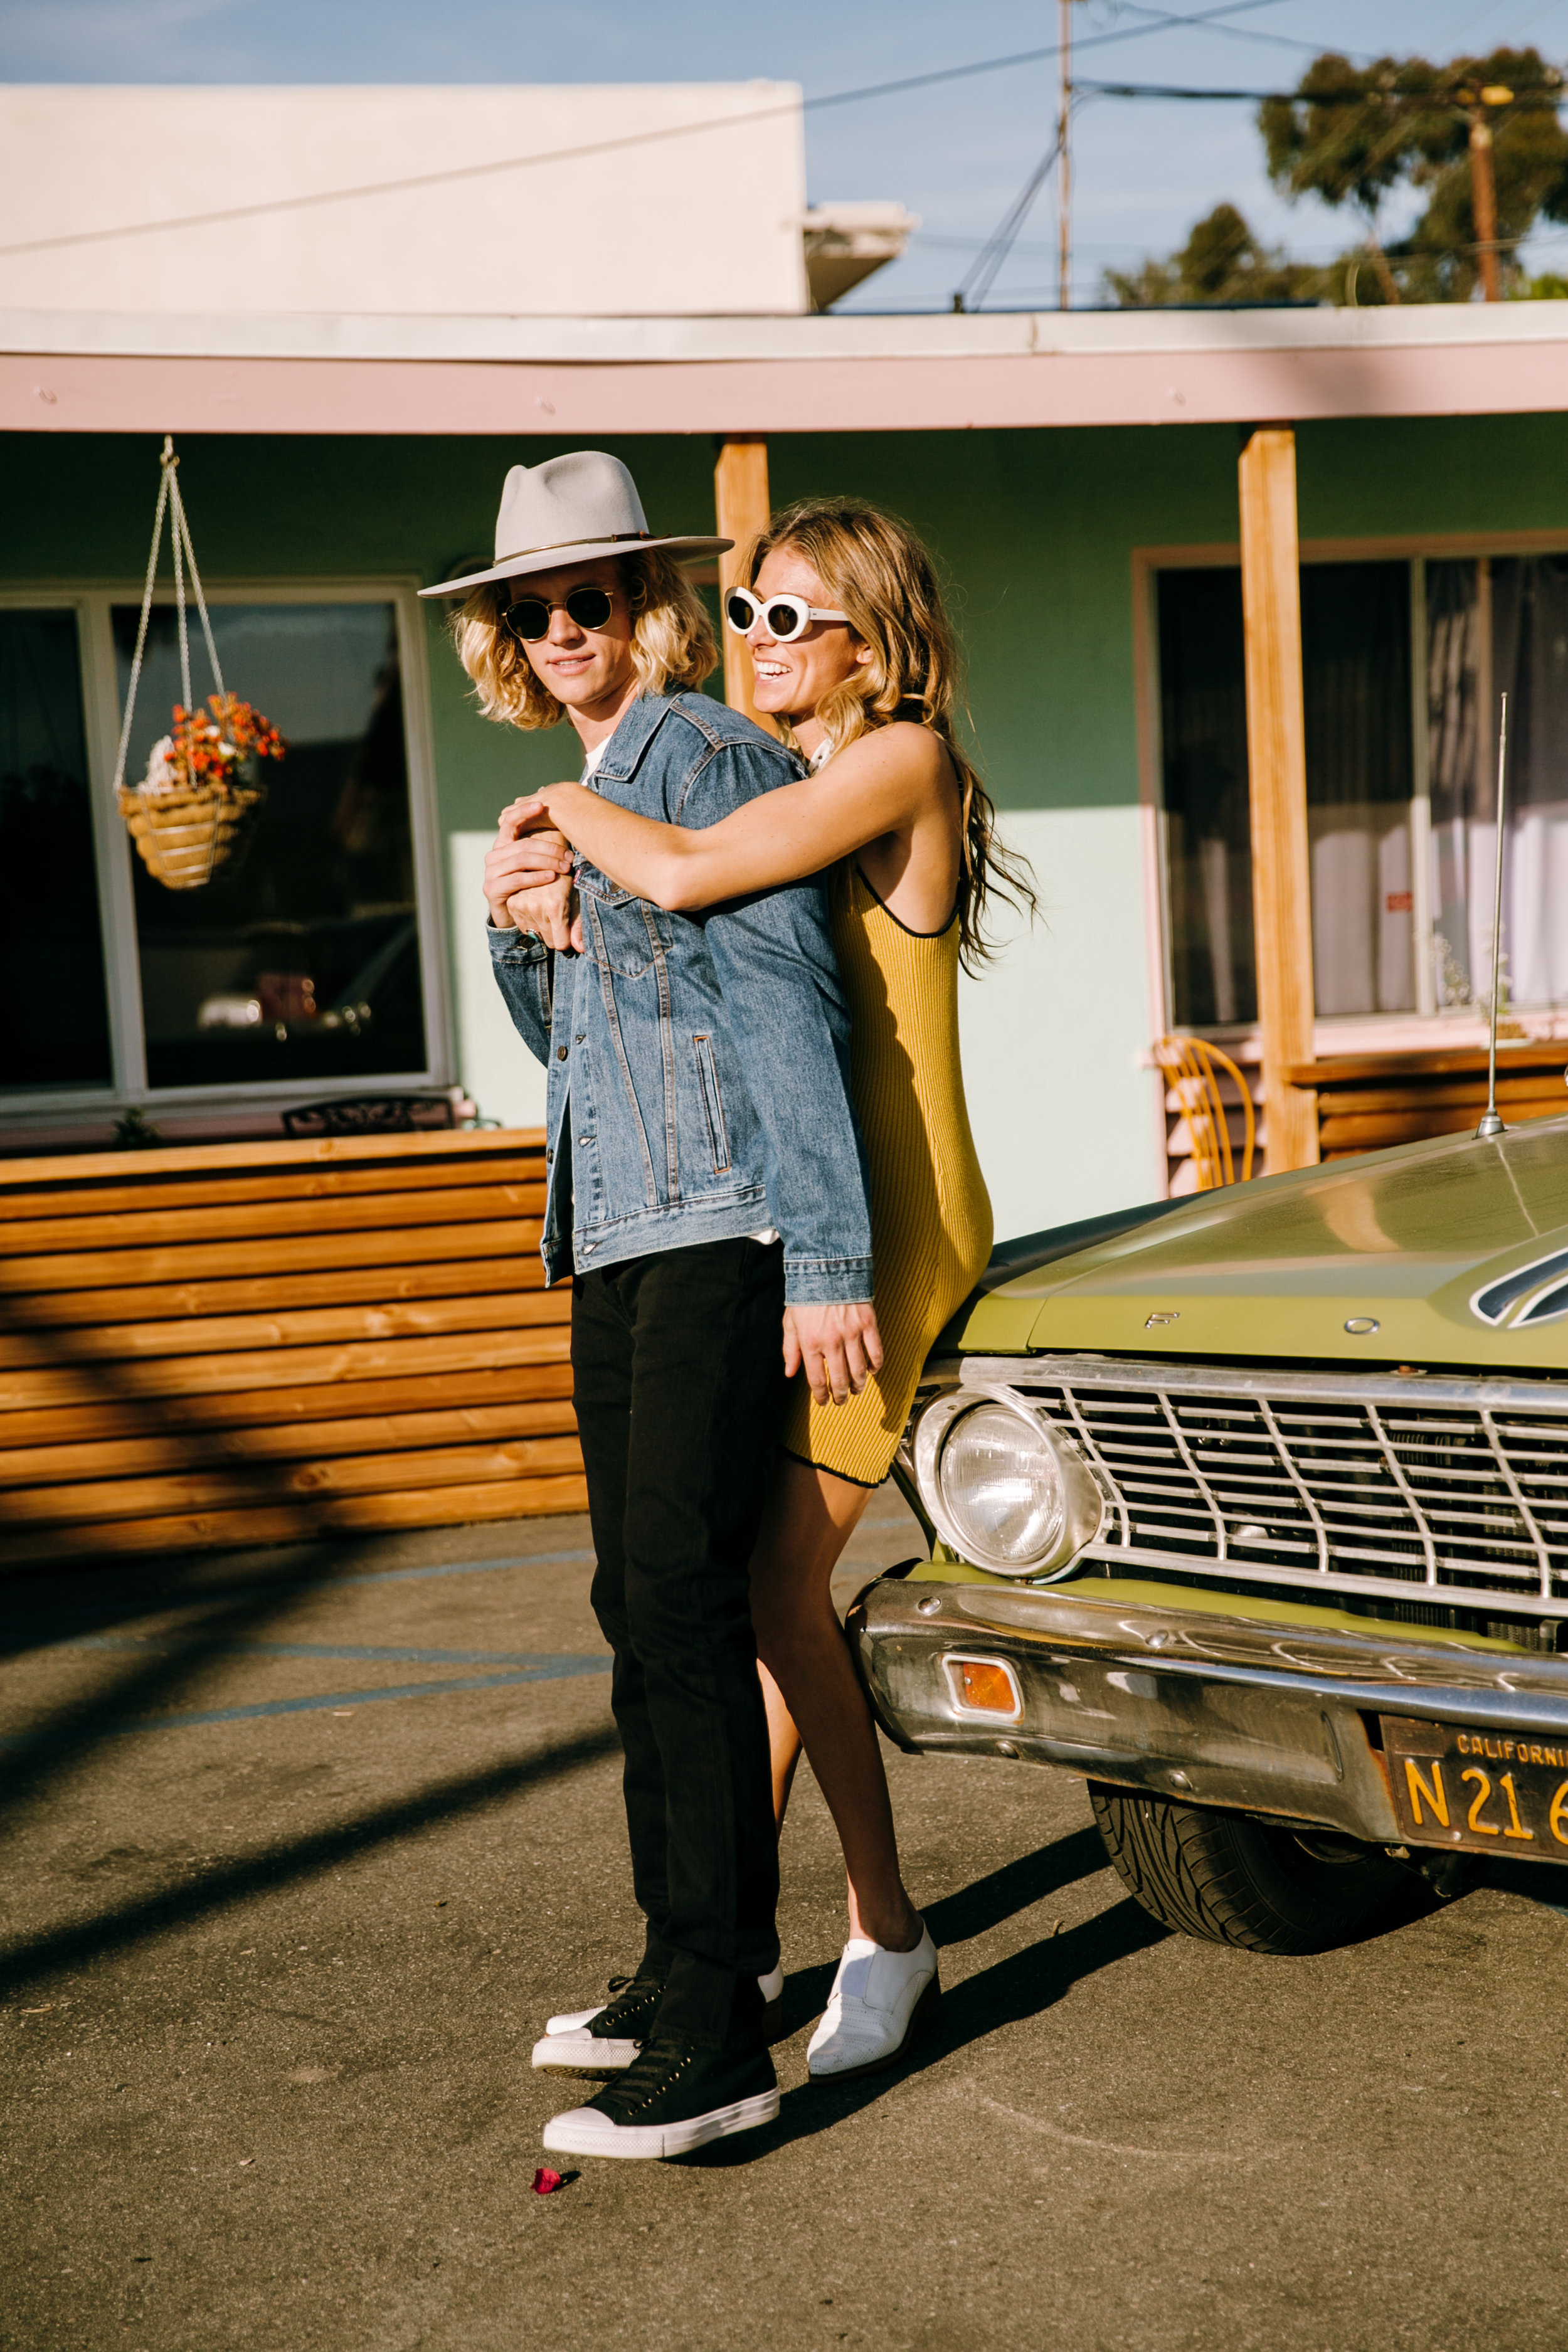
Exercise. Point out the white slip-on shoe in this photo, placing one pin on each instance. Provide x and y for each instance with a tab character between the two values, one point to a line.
878	1998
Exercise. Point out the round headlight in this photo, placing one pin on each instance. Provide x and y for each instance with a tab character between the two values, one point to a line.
1002	1486
1007	1491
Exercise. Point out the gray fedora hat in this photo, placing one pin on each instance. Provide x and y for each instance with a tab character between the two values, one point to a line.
569	510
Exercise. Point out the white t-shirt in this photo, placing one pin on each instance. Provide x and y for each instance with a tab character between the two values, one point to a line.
768	1234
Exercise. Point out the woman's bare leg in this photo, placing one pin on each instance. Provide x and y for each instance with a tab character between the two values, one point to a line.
810	1519
783	1742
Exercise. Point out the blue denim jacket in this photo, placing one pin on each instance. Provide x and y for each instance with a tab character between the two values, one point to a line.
699	1065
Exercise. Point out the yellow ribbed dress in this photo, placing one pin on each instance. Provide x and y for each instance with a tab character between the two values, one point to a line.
930	1213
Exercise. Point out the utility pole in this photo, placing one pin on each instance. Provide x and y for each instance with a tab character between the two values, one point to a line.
1483	204
1064	163
1483	189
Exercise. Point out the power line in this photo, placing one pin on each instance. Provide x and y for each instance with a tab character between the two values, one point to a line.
1552	94
1246	32
609	146
981	275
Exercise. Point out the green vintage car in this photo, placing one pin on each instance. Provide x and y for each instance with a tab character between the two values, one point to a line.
1252	1508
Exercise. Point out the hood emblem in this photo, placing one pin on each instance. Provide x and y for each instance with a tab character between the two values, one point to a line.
1162	1314
1530	1295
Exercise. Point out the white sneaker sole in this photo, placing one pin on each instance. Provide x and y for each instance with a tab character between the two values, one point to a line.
872	2063
583	2053
584	2132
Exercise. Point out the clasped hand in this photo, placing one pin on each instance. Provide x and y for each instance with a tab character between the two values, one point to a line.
528	878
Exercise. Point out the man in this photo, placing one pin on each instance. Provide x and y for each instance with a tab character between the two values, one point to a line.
705	1173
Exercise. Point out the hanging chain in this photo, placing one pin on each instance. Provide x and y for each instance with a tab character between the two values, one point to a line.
170	501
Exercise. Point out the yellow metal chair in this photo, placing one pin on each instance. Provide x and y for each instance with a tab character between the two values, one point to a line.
1193	1068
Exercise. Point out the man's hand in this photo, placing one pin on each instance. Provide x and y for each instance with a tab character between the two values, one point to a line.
528	883
838	1348
552	912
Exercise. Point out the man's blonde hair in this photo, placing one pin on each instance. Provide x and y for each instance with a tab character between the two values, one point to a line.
672	642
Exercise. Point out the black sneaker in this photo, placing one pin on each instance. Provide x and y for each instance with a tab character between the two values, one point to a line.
598	2043
674	2097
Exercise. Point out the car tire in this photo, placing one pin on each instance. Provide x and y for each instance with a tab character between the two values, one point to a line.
1232	1880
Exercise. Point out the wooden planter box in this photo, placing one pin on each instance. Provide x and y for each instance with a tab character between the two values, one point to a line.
263	1343
1366	1101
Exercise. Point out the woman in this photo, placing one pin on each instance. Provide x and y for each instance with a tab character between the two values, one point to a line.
854	655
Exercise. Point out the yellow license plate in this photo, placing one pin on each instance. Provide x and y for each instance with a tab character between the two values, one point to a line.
1489	1792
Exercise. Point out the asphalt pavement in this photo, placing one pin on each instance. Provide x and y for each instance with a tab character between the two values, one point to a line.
303	1845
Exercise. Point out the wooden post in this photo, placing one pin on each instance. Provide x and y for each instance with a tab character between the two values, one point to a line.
741	499
1276	773
1483	204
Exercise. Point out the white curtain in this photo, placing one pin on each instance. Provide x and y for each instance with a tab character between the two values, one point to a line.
1496	624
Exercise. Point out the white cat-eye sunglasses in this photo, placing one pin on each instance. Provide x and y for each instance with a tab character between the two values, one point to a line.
783	617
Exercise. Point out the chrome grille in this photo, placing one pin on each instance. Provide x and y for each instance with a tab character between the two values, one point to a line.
1457	1487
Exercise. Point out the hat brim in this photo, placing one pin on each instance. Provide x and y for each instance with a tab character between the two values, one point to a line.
560	559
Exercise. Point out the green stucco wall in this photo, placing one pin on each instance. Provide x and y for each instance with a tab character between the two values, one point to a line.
1035	532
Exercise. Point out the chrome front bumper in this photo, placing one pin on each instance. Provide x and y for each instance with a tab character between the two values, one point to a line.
1229	1711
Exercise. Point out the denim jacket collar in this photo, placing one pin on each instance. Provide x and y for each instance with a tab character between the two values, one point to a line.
637	726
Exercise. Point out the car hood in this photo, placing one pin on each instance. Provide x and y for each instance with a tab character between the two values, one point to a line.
1399	1256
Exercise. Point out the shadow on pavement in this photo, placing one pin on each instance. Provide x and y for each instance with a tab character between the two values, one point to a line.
969	1912
1020	1987
22	1964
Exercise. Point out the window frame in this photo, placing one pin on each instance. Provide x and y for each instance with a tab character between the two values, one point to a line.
92	601
1413	548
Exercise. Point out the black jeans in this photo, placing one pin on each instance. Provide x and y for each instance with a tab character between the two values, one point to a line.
678	1383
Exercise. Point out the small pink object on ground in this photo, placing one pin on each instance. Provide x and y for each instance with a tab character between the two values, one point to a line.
545	2181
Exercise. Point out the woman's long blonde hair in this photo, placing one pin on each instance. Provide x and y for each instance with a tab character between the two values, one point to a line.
876	569
672	642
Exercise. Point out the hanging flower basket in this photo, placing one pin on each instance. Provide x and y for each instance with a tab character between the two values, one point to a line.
194	810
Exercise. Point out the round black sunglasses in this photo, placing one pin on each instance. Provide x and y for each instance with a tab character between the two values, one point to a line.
528	620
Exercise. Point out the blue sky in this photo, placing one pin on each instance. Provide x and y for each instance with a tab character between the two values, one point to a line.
956	152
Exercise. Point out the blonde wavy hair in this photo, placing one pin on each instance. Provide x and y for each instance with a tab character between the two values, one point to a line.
672	642
876	569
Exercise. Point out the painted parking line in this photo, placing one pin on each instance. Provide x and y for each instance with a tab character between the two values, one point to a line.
544	1669
211	1595
176	1645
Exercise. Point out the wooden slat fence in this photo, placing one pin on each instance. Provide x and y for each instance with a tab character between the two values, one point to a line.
260	1343
1367	1101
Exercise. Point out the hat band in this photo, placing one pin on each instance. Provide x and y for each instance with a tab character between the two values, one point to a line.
554	546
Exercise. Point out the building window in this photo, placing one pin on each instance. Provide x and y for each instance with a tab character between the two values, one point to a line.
1493	622
55	1033
1400	786
311	962
300	959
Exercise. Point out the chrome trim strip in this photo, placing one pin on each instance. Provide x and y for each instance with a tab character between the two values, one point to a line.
1544	1396
1487	1599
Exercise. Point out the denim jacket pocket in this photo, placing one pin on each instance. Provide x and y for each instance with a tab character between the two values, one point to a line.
712	1103
625	933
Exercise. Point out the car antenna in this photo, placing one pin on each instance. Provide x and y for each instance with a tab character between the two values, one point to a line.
1490	1123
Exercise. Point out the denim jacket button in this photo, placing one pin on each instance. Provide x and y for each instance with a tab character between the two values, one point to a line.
561	1053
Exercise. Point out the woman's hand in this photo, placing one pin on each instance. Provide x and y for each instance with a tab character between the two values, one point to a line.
838	1348
540	848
